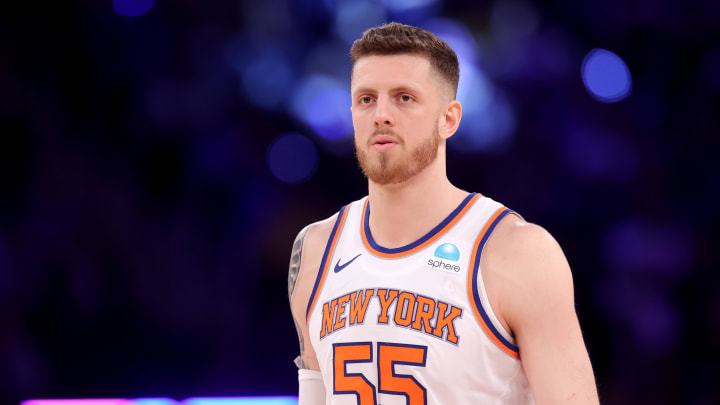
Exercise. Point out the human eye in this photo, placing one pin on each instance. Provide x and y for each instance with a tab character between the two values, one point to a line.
365	100
406	98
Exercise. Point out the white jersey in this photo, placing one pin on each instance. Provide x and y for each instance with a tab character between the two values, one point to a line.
412	325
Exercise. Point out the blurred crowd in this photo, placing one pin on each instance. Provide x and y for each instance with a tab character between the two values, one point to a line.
148	205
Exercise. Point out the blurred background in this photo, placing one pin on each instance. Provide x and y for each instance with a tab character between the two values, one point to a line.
157	159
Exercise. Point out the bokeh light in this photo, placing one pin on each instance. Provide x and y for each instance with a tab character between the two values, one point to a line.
488	119
355	16
406	5
323	103
132	8
457	36
264	69
412	11
265	80
328	112
292	158
205	128
329	58
606	76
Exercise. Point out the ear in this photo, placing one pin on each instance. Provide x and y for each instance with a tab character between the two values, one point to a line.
450	119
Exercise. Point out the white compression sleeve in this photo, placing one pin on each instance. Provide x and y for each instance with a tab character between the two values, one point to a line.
312	388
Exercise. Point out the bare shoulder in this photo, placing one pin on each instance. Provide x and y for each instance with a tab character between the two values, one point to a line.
306	255
530	283
307	251
318	234
524	270
514	239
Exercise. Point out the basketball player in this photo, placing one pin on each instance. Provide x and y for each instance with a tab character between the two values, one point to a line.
423	293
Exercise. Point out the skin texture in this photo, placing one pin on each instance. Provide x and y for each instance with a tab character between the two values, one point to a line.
527	277
293	272
404	94
301	277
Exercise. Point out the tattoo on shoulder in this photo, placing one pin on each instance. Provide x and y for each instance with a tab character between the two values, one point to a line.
295	260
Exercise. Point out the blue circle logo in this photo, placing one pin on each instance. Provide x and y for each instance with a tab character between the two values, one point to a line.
448	251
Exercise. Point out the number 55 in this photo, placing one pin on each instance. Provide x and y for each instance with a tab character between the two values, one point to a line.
389	382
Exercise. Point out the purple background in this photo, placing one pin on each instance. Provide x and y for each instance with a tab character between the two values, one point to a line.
148	202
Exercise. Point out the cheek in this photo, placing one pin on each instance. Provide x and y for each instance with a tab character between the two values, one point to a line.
359	131
361	121
423	124
360	113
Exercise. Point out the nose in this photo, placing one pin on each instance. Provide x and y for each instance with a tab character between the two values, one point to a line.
383	115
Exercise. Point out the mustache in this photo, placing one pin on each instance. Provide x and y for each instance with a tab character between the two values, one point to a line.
383	130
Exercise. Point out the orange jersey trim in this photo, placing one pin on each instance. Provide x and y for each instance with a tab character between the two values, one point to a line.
421	243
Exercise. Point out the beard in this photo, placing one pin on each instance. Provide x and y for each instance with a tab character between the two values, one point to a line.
385	169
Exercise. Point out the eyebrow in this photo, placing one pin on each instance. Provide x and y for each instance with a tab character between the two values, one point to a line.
398	89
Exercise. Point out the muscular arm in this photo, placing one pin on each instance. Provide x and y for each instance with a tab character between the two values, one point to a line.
533	290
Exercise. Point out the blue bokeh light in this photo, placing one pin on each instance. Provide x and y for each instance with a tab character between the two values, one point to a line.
458	36
488	119
264	68
405	5
292	158
606	76
132	8
323	103
266	79
329	58
328	113
354	17
475	91
412	11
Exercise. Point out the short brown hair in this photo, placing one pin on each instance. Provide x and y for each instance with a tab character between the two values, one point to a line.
395	39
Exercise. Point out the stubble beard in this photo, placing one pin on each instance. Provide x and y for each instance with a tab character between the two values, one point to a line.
386	169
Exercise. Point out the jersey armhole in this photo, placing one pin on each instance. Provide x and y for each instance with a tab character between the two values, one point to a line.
478	294
327	257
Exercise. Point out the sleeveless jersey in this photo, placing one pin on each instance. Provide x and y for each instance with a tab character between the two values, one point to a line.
412	325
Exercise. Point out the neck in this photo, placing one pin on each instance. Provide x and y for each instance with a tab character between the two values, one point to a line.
402	213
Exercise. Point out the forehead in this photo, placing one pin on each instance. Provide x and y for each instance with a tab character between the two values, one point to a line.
390	71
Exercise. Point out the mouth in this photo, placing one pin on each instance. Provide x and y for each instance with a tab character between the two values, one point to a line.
384	141
383	146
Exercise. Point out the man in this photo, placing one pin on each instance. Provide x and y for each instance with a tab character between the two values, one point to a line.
423	293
